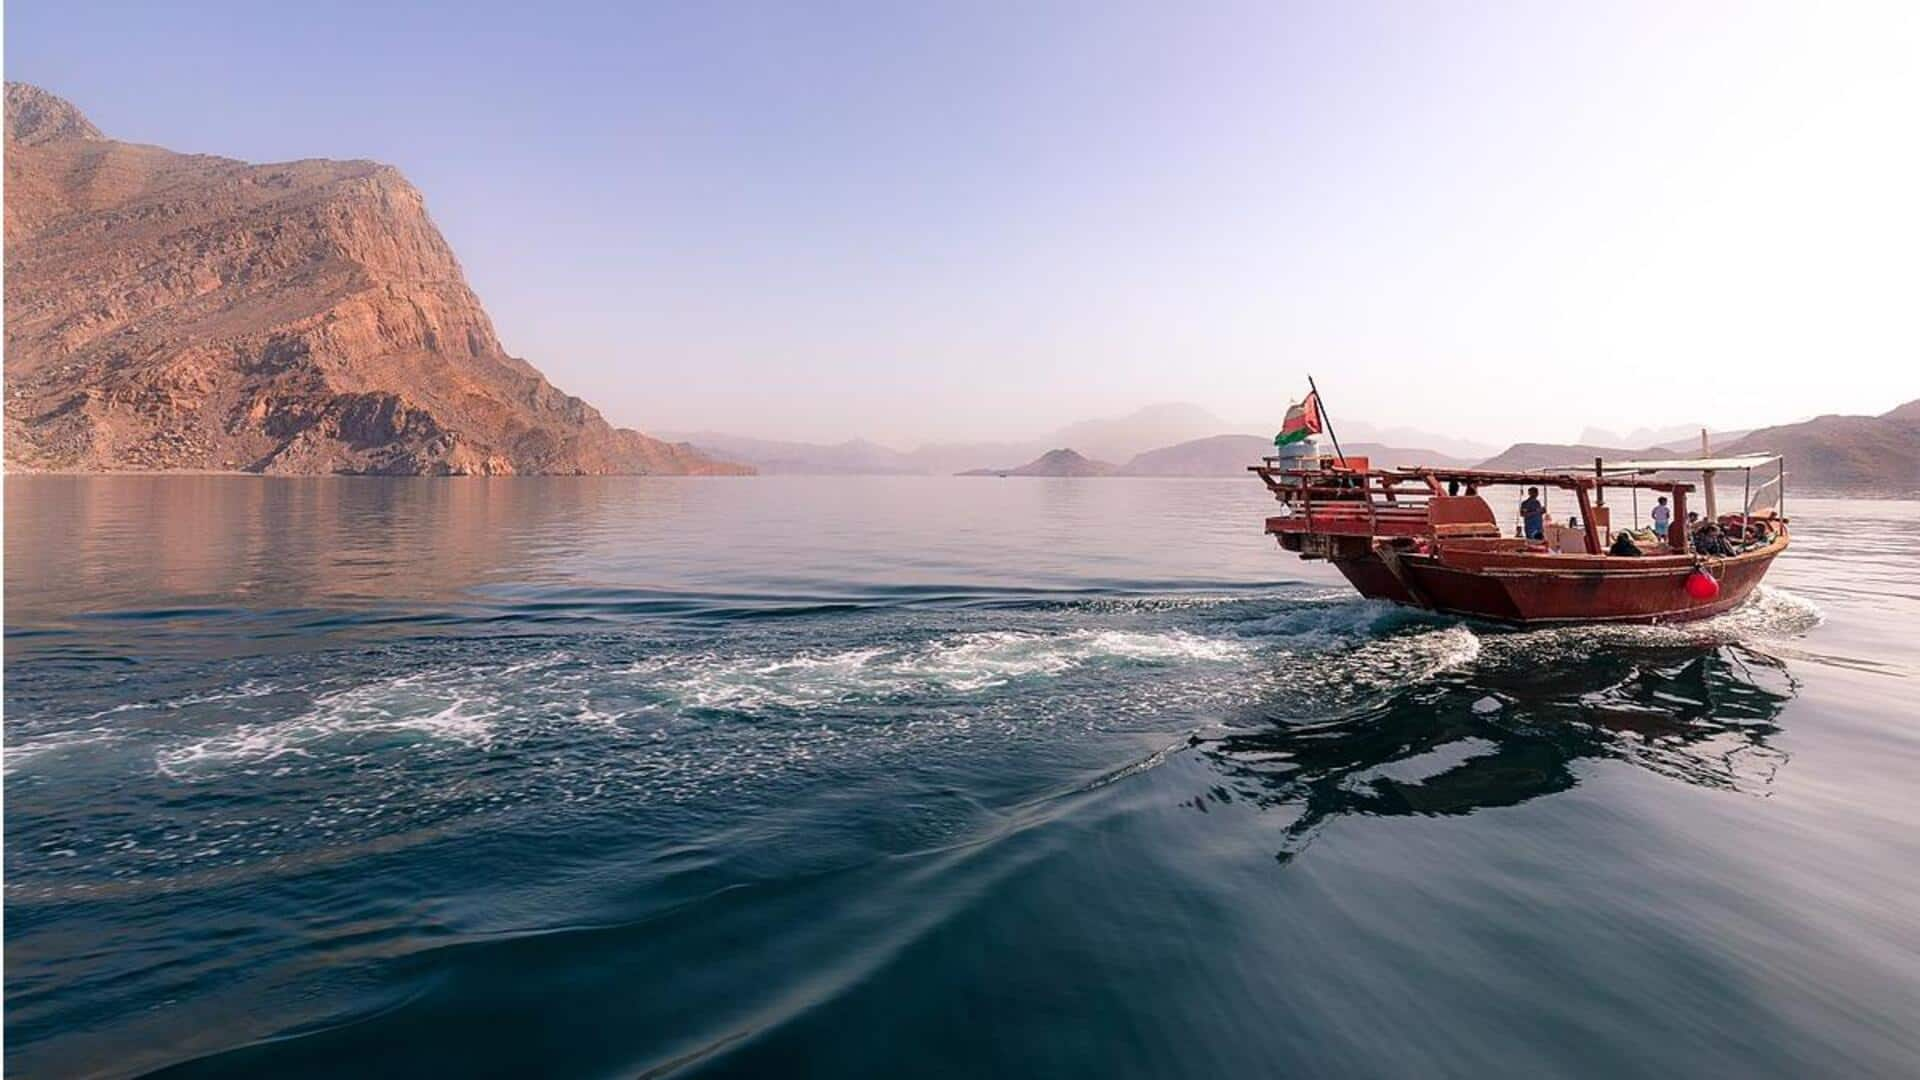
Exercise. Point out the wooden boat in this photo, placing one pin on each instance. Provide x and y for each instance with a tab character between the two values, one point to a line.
1401	535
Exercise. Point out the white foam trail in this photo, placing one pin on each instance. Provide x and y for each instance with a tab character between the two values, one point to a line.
421	703
126	722
475	707
966	664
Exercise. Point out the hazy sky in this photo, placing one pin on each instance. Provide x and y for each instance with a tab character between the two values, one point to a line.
932	221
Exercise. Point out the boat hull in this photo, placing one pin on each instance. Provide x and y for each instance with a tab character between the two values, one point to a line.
1537	589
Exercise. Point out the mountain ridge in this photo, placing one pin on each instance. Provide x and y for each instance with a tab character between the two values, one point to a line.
1835	452
185	312
1846	453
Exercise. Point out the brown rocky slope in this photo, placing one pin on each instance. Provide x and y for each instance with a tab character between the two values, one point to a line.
185	312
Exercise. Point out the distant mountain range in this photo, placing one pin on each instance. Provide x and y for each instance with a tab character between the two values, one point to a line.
1218	455
1168	439
1229	455
1156	425
1528	455
1879	454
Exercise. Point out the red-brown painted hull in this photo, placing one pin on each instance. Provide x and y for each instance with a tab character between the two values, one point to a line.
1533	588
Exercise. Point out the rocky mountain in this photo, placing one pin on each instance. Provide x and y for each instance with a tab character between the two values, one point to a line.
1878	454
1053	463
1229	455
171	311
1217	455
1905	414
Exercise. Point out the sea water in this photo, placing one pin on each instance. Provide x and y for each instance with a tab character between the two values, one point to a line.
925	776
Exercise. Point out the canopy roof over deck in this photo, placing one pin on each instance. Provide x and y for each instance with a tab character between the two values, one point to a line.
1570	478
1714	464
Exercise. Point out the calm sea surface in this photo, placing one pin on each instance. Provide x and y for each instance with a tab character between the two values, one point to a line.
960	777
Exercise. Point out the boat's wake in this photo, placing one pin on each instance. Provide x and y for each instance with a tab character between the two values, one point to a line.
353	746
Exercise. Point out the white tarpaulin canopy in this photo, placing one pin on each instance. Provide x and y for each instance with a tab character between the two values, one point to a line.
1716	464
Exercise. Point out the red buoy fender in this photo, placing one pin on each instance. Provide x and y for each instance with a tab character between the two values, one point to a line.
1702	585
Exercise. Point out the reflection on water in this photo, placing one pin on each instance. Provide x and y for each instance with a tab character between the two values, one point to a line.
134	543
1500	734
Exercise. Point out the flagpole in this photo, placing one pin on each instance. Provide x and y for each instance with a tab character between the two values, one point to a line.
1342	454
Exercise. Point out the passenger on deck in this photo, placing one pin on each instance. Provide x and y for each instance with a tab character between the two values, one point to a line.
1623	545
1662	517
1453	486
1533	514
1711	541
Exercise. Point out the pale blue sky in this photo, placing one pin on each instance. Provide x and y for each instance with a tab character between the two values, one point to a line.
939	221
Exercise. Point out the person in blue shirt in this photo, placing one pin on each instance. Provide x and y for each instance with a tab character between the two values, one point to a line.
1662	517
1533	514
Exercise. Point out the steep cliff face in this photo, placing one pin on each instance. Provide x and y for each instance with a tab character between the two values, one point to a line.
175	311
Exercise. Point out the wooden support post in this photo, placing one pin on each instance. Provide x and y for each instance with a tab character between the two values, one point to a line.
1677	535
1587	522
1706	478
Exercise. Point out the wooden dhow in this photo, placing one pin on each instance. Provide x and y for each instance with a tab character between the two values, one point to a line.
1427	538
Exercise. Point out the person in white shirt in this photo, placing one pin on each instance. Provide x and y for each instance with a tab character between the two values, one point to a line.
1662	517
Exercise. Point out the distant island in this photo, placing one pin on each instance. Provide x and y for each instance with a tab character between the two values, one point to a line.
1052	463
182	312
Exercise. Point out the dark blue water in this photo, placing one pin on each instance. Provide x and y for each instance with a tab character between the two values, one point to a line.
924	777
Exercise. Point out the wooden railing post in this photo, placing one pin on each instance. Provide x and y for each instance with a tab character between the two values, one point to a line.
1586	520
